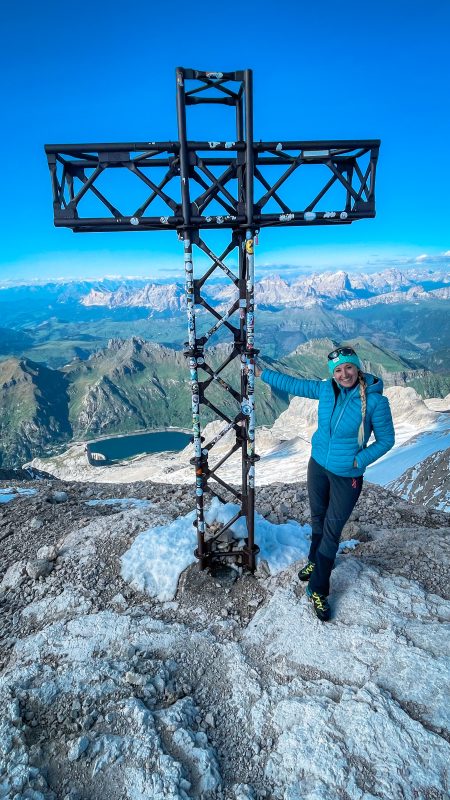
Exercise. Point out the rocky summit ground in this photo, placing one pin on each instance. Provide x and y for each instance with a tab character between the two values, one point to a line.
232	690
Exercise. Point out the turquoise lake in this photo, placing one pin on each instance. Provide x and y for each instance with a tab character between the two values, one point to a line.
121	447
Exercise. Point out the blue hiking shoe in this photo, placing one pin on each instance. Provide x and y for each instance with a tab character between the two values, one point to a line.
320	604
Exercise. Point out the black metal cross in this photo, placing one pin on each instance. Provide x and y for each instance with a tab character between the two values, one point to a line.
195	186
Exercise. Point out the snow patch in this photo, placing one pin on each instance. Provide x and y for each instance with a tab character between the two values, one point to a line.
11	493
158	555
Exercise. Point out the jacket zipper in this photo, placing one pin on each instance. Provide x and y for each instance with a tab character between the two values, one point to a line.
337	423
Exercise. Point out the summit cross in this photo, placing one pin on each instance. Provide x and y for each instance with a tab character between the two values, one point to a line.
238	187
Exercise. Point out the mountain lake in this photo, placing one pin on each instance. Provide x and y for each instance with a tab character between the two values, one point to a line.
118	448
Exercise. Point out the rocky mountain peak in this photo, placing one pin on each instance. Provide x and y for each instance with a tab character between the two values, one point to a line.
275	281
159	298
314	346
134	343
409	407
23	370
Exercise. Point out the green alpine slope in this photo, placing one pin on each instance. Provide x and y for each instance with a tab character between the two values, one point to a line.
135	384
33	410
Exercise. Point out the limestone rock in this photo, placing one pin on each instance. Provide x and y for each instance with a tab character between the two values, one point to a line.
47	553
38	568
14	575
78	747
57	497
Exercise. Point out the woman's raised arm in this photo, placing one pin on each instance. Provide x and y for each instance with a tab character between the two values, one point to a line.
299	387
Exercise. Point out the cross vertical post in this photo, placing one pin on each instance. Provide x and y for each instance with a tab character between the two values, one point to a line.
242	239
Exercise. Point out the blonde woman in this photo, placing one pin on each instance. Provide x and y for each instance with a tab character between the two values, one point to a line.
351	407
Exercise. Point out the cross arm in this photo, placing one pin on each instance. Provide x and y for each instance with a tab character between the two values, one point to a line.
136	185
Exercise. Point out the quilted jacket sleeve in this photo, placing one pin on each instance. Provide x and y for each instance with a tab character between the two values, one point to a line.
383	430
299	387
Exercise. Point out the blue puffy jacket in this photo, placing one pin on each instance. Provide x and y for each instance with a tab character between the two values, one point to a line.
335	442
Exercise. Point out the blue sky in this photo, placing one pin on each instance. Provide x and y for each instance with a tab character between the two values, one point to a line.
104	71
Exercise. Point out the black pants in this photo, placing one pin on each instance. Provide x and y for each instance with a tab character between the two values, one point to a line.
332	499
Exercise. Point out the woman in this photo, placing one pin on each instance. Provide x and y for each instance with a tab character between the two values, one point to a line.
351	407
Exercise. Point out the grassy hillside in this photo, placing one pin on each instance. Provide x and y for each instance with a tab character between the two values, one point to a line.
310	361
279	333
425	325
137	384
12	342
33	410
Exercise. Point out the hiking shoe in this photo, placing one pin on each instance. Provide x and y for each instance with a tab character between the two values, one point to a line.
306	572
320	604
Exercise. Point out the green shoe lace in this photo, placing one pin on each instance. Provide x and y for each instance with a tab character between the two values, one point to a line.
320	602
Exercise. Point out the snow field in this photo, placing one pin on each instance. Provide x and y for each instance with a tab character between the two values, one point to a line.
404	456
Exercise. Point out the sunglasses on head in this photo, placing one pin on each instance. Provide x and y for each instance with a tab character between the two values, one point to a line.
341	351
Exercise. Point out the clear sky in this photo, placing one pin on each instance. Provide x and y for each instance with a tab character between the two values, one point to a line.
104	71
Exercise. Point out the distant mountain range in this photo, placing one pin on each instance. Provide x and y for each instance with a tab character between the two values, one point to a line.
164	297
327	289
413	295
56	322
160	298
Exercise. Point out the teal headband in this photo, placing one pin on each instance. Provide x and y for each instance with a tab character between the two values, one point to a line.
341	359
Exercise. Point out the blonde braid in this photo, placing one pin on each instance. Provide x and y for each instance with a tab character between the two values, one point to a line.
362	392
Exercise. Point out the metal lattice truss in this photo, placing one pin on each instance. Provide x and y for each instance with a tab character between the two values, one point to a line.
340	190
193	186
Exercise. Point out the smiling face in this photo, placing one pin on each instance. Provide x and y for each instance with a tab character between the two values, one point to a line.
346	375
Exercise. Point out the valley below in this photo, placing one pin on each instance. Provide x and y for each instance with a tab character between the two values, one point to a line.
422	436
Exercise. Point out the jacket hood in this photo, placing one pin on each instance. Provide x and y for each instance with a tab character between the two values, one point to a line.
374	384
